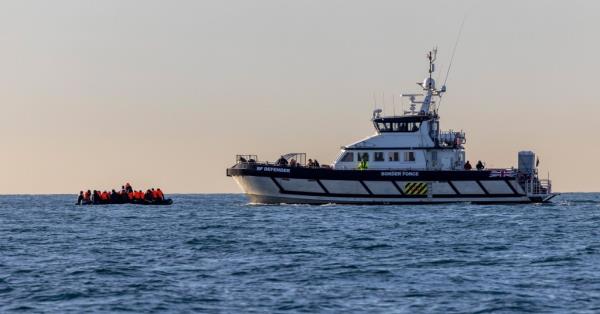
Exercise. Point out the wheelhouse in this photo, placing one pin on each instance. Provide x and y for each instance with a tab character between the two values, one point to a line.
401	124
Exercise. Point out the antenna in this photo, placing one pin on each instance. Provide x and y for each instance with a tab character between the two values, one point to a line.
454	49
374	101
462	24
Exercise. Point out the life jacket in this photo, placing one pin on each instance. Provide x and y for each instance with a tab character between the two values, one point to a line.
104	196
161	196
155	194
130	195
87	196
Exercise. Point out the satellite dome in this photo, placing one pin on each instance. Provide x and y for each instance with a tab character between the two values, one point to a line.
429	83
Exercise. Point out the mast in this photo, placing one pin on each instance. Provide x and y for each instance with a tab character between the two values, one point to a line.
428	86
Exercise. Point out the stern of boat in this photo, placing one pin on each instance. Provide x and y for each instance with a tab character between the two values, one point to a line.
539	190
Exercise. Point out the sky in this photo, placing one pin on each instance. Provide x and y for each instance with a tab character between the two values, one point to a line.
165	93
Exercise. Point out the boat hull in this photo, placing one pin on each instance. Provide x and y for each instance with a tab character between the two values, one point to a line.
299	185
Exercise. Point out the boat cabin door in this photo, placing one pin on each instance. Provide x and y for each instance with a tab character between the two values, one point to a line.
446	163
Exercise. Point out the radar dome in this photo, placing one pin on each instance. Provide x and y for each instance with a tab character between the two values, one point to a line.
429	83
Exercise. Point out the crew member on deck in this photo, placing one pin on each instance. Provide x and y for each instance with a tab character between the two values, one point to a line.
282	161
468	166
479	165
362	165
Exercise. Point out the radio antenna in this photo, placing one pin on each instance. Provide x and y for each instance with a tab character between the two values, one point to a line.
462	24
374	101
454	49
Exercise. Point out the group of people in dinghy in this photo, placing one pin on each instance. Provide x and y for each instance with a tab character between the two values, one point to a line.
127	195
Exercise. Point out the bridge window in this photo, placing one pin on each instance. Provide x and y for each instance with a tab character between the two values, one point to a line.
363	156
348	157
394	156
398	126
409	156
378	156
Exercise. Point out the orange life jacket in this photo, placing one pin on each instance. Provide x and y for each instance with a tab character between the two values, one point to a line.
104	196
160	194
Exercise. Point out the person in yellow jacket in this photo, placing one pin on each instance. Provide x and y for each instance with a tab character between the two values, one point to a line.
362	165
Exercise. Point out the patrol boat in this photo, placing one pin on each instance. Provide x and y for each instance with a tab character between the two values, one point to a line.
408	160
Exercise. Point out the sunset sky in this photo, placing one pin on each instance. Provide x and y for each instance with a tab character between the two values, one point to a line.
165	93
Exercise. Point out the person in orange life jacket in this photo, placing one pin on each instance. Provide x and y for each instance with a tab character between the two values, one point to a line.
161	196
154	194
104	197
87	196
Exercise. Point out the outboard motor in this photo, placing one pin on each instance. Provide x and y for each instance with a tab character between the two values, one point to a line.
527	162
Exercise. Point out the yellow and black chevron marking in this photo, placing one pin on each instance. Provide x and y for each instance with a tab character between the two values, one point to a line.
415	188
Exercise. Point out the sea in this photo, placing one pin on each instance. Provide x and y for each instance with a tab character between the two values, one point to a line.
216	253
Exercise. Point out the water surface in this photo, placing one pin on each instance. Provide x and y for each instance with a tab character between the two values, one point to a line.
216	253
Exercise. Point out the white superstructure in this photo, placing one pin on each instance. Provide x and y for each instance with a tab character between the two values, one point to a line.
410	141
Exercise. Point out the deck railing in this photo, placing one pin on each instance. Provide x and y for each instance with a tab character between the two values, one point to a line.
535	186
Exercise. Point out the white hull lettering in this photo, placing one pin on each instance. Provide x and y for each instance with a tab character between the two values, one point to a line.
273	169
399	173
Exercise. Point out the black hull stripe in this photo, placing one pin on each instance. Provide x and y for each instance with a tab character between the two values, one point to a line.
453	188
483	188
366	187
365	175
511	187
397	187
317	202
281	190
322	186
